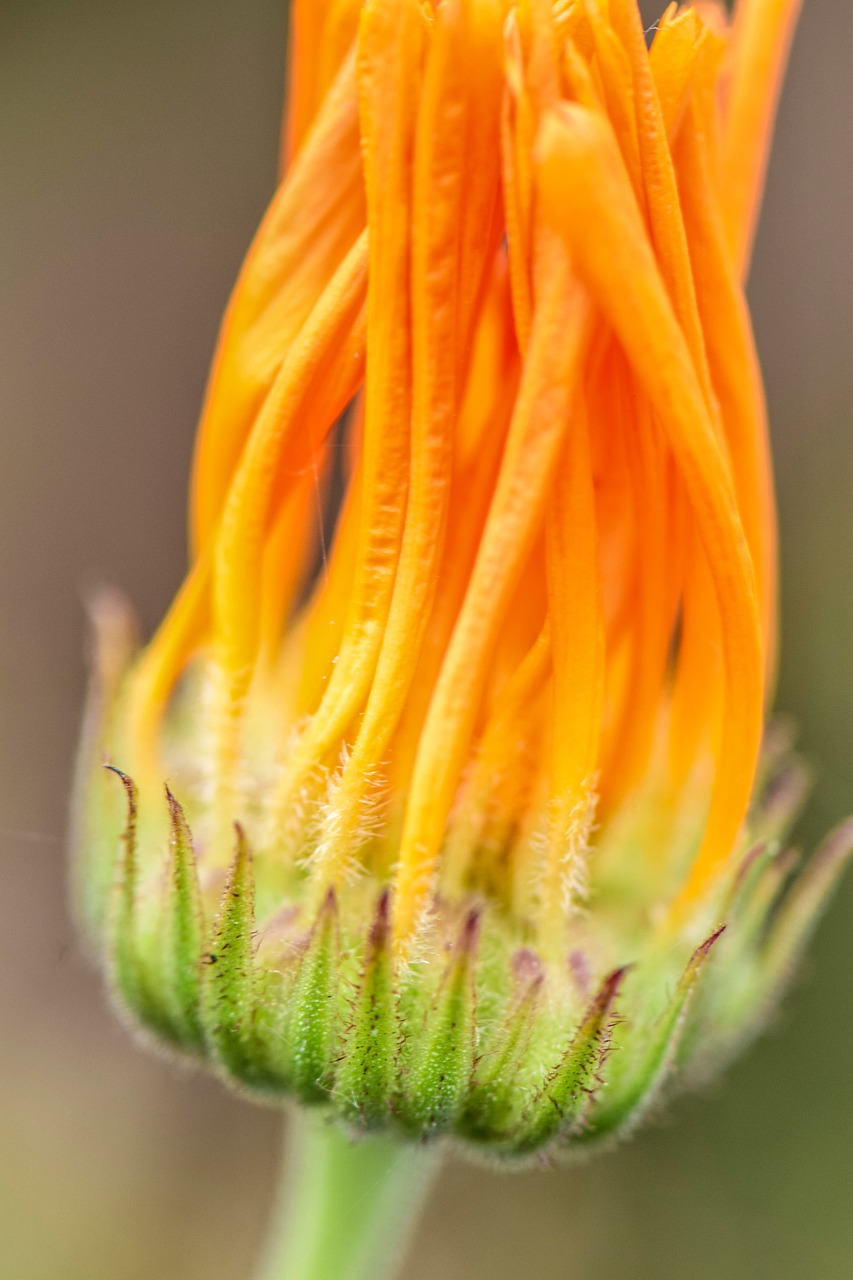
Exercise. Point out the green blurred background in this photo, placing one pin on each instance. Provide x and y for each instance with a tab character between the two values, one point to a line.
137	150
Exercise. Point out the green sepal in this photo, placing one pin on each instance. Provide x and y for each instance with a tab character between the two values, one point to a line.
271	990
770	930
438	1076
367	1073
641	1072
312	1032
724	1008
183	931
135	961
495	1101
229	987
756	888
801	908
125	972
560	1107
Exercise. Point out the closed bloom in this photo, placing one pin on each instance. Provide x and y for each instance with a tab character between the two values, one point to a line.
461	704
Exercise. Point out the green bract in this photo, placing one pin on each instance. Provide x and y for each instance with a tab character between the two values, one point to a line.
483	1036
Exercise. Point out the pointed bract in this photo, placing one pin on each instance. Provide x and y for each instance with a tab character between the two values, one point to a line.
366	1079
312	1029
560	1108
635	1084
183	929
440	1062
496	1103
230	979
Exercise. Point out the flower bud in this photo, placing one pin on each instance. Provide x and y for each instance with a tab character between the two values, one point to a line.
468	832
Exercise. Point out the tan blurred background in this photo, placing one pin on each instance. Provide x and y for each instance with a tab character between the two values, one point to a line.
137	149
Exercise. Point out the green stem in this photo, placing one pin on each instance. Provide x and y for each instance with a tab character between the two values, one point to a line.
346	1206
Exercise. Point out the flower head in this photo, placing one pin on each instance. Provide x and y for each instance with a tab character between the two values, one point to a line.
461	703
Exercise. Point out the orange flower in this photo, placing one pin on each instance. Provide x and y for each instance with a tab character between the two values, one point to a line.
479	629
498	299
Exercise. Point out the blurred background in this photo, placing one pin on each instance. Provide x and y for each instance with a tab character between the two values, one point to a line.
137	151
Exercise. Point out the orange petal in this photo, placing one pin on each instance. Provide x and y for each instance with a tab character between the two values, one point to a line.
661	191
735	372
672	59
390	67
316	381
321	35
456	187
761	40
552	368
455	193
587	195
314	219
575	614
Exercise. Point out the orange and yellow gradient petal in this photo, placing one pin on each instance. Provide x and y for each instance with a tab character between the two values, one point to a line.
503	279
